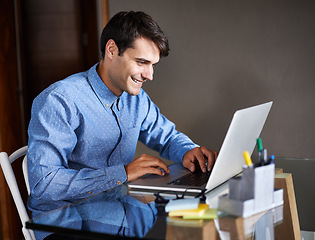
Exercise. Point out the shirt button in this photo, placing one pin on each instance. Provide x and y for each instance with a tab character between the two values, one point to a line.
106	105
118	119
89	192
118	182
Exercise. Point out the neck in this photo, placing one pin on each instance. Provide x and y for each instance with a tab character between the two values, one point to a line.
102	72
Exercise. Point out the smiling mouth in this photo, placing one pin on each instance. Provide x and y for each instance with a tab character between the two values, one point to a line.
137	80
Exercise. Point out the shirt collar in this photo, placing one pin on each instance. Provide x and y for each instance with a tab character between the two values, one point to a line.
104	94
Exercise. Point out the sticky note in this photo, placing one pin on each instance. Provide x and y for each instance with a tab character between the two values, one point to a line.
182	204
209	213
202	207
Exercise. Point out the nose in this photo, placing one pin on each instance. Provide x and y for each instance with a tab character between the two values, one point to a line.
148	73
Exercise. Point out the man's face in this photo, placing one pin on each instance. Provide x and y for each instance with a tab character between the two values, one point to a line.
135	66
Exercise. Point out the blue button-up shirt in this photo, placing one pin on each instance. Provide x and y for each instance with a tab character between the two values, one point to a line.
81	136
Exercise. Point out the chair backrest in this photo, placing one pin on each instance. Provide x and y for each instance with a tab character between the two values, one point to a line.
25	174
6	162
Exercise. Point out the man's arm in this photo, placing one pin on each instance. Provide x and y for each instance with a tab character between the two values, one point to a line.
160	134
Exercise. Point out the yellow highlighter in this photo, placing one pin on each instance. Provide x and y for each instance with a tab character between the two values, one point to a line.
248	160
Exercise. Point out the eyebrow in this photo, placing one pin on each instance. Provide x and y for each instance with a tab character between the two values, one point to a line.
145	61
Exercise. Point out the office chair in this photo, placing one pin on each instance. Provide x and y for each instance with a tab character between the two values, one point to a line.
6	162
25	173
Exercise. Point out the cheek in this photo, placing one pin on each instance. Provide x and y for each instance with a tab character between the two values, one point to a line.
135	71
125	69
119	72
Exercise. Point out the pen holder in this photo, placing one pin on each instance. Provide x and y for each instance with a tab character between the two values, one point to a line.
252	192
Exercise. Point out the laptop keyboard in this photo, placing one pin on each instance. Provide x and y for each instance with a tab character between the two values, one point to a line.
197	178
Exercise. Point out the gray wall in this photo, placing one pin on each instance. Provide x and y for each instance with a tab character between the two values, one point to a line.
229	54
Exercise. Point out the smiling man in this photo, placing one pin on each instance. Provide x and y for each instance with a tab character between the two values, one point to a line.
130	70
84	129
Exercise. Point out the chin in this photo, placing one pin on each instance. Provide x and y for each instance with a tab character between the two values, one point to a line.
134	92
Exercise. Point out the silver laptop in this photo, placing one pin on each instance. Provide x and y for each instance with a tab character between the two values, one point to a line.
241	136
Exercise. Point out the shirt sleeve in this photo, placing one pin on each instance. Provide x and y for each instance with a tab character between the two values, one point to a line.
160	134
52	139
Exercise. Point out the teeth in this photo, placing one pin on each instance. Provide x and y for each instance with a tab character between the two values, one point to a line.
136	81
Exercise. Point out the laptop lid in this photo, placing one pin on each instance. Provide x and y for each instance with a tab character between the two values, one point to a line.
244	129
242	134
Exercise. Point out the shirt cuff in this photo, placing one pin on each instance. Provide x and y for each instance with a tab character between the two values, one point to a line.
182	151
117	174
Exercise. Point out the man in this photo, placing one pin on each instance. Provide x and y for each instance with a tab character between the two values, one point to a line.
84	129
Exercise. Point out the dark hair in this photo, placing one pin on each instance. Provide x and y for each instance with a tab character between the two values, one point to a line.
125	27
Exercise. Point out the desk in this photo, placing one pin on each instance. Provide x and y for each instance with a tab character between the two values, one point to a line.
118	213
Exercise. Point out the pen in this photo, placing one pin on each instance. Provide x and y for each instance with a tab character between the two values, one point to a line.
248	160
272	157
262	153
259	149
264	157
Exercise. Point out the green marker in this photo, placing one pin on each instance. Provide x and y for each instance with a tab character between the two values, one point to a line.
259	145
260	151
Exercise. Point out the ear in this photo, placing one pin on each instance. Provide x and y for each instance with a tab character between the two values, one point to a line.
111	49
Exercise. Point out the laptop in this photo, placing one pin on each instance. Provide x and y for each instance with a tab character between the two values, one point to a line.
244	129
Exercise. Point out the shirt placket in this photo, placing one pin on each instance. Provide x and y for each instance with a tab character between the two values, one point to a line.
116	113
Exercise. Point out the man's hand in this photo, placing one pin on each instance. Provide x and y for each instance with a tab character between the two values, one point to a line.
201	154
143	165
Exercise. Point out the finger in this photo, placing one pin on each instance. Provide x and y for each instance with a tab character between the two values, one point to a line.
151	161
159	165
156	171
144	165
211	156
191	167
201	160
189	161
191	157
